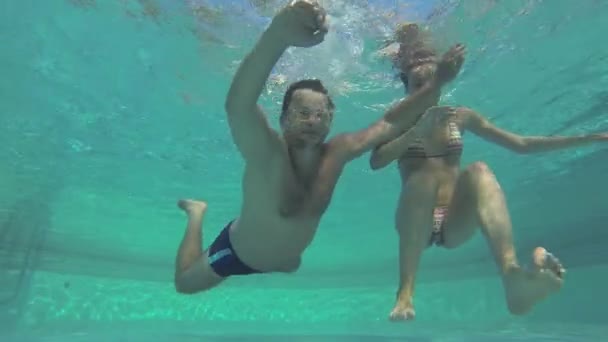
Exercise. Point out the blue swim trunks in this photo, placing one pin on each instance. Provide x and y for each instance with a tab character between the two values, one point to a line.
223	259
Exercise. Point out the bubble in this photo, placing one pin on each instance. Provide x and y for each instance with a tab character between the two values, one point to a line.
347	61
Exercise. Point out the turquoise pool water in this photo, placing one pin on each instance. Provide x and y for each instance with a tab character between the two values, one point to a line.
112	110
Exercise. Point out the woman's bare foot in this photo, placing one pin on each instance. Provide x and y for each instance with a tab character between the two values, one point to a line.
403	311
543	260
525	288
192	207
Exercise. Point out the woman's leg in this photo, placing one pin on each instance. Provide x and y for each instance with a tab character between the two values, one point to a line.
414	220
479	201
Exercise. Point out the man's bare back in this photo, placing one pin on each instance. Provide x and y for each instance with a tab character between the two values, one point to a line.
289	177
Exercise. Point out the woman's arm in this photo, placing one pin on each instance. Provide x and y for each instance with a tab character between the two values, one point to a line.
483	128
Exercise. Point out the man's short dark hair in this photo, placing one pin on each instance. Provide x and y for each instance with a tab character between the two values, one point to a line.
312	84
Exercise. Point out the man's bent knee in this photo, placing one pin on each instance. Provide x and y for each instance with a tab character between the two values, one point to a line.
190	282
183	287
291	266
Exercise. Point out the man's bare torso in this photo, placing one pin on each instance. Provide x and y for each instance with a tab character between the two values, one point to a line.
281	210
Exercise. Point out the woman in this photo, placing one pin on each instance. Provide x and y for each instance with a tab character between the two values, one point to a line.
442	205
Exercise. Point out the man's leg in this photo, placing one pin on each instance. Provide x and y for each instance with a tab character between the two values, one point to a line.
192	271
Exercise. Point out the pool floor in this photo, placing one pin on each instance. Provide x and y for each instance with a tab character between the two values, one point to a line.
399	332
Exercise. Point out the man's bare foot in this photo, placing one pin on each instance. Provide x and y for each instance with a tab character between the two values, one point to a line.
192	207
403	311
525	288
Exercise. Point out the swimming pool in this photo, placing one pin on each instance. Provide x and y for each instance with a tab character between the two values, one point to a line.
111	111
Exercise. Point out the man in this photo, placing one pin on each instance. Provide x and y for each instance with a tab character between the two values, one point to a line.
290	177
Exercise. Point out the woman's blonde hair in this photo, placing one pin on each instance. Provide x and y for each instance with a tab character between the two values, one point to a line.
415	46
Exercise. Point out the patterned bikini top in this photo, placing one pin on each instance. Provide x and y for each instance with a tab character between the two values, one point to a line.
454	146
